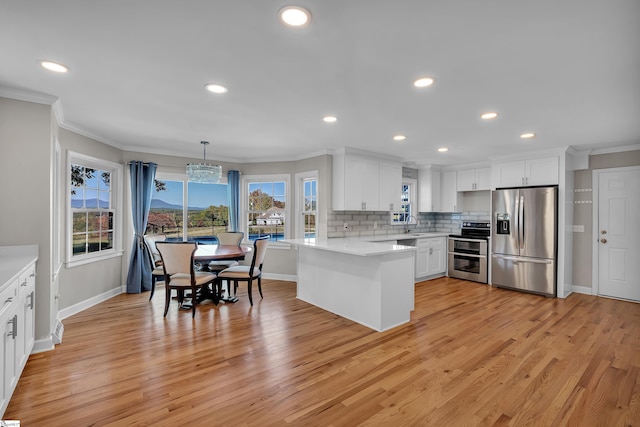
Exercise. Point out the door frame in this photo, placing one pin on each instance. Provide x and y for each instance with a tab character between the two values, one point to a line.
595	255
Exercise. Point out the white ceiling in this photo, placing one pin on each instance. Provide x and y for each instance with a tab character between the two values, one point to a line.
568	70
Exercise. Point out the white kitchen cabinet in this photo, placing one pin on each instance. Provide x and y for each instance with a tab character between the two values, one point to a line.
451	200
522	173
9	327
474	179
429	189
365	183
430	257
17	315
390	185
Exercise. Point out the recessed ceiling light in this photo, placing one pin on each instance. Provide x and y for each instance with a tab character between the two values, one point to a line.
216	88
54	66
489	115
294	16
330	119
443	149
528	135
399	137
424	82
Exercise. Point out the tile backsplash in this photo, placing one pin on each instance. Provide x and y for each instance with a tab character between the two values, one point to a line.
378	223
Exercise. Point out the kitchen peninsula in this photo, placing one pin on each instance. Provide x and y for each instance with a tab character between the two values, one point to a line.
369	283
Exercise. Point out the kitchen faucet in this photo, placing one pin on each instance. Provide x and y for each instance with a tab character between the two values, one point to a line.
407	221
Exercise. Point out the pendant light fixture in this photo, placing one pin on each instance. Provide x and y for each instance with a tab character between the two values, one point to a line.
204	172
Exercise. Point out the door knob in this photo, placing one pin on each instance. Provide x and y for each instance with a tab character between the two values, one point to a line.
603	240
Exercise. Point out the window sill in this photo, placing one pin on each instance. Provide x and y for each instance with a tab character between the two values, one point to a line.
90	259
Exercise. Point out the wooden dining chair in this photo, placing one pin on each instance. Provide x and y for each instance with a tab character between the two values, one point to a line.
231	238
157	272
180	274
245	273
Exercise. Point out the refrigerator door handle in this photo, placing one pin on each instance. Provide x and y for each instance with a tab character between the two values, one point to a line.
530	260
521	223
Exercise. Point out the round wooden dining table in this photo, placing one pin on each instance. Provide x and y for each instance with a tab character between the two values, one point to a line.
221	253
206	253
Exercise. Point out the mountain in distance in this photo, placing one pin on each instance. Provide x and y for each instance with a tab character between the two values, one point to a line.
91	203
155	203
161	204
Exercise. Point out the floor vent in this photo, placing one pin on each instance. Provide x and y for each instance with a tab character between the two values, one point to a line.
57	334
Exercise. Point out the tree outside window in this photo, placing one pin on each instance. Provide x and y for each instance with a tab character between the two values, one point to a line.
266	210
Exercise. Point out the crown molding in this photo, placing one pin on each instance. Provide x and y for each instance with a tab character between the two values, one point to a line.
27	95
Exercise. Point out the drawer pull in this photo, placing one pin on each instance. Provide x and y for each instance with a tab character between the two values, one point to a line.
8	300
23	284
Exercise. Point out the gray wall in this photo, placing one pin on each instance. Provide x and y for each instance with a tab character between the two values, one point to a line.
25	167
80	283
279	262
583	212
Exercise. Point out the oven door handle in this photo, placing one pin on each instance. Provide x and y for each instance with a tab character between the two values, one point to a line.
457	239
467	255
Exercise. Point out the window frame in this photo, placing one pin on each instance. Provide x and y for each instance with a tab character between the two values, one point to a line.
244	204
301	178
116	205
413	185
178	177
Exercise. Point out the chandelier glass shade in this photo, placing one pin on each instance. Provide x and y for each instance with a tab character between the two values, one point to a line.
204	172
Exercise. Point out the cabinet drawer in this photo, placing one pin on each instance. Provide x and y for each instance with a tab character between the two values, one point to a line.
27	280
432	242
8	295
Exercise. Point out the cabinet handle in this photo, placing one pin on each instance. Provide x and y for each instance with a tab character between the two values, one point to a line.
33	274
8	300
31	300
23	284
14	326
430	251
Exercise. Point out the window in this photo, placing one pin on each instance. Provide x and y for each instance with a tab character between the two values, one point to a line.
265	203
94	217
182	208
408	196
307	205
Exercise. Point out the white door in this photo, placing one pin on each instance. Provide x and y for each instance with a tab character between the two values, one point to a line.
619	233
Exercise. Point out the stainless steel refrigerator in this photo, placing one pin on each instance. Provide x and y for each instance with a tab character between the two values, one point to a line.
524	235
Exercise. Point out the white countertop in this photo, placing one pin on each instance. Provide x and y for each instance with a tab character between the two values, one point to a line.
401	236
352	246
13	259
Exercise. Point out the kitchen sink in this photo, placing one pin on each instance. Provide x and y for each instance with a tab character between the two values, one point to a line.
407	242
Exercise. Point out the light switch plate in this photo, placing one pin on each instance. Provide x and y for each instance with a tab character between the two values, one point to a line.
578	228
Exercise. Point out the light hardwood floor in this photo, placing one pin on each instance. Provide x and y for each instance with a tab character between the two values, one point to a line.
471	355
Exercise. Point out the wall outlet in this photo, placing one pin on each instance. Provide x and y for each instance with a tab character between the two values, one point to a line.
375	225
578	228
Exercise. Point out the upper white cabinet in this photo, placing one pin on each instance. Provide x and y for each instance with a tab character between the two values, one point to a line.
365	183
390	185
451	200
522	173
429	184
474	179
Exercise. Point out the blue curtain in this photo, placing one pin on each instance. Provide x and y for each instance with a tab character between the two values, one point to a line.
233	194
142	177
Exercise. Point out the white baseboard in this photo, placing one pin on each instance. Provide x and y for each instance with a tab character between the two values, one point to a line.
40	346
77	308
285	277
582	290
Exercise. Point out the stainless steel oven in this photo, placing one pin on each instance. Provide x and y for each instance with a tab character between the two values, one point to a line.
468	252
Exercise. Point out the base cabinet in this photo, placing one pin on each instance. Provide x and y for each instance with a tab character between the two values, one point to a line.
17	323
430	258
